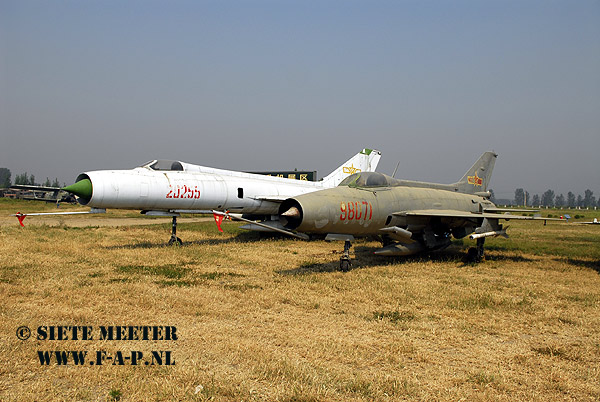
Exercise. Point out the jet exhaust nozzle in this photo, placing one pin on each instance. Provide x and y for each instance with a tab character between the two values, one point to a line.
290	214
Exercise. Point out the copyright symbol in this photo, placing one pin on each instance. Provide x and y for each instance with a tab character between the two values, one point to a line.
23	333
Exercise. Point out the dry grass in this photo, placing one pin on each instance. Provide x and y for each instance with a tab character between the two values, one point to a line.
272	319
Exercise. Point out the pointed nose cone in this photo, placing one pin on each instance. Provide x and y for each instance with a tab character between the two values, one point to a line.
293	212
83	188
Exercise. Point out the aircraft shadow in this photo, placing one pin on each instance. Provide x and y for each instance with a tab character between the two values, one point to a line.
594	265
249	237
364	259
333	266
364	256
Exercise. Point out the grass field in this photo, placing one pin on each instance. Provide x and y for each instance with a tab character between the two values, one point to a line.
272	318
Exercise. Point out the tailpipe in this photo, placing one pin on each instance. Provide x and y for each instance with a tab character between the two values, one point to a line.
290	214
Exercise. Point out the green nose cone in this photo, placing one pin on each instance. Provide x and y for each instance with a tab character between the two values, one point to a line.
83	188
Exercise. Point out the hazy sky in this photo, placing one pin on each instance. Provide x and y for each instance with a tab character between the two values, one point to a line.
257	85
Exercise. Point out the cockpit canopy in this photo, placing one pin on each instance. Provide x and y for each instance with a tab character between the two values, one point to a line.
369	179
164	165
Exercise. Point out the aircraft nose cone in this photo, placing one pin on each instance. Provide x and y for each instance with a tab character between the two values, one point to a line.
82	188
293	212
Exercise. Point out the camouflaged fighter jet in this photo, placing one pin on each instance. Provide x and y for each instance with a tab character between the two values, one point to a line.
407	216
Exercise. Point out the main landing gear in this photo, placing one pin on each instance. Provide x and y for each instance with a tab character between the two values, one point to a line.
476	254
174	240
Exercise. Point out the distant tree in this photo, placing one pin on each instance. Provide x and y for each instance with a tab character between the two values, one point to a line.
55	183
588	199
25	179
5	177
571	201
548	198
47	183
560	201
579	202
22	179
535	201
519	197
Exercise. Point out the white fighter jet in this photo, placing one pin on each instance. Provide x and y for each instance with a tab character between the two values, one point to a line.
170	188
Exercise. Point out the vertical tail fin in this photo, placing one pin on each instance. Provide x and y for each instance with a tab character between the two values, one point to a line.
364	161
477	178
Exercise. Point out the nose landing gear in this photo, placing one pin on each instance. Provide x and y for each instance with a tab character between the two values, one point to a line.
174	240
345	262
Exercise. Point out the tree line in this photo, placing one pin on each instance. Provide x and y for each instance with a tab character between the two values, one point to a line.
522	197
23	178
550	199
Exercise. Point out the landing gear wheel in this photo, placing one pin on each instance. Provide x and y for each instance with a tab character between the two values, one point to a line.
175	241
471	256
345	262
476	254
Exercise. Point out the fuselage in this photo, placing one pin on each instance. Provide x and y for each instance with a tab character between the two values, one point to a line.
177	187
147	189
364	212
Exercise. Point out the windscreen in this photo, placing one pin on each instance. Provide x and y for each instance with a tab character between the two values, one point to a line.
367	179
162	164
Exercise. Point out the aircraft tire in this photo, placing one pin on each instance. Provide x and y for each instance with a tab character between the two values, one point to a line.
344	265
472	255
175	241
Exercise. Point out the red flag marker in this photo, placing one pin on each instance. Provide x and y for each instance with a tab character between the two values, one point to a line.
218	221
21	217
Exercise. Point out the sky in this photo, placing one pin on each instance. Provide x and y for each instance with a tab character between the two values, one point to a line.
265	85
